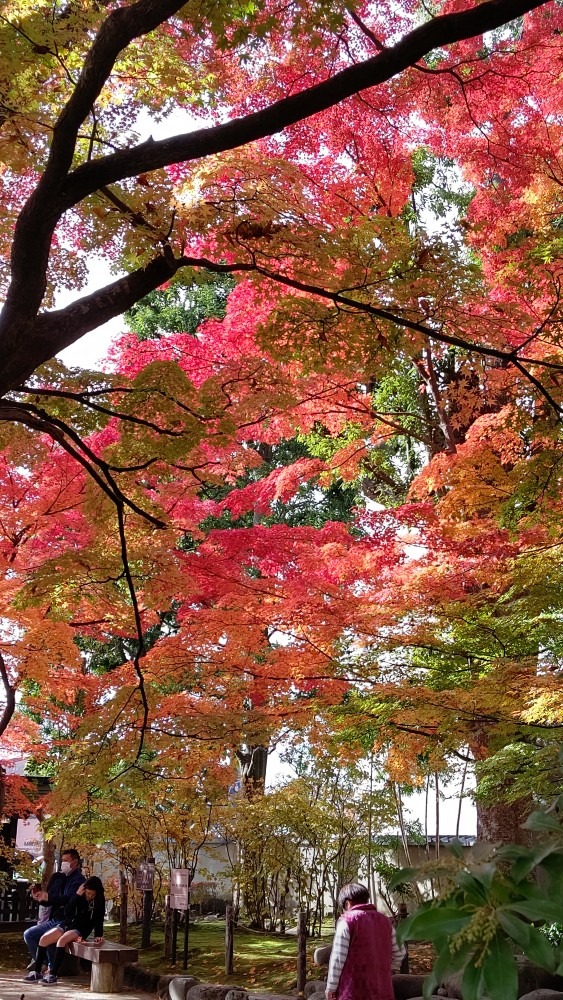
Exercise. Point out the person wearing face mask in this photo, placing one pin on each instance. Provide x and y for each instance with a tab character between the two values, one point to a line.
83	914
62	886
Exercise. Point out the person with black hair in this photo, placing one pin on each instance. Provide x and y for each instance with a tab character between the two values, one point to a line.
83	914
364	950
62	887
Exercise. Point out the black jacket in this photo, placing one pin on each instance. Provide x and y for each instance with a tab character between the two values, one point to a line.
60	892
84	917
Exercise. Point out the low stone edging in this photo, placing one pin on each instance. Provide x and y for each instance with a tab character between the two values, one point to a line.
405	987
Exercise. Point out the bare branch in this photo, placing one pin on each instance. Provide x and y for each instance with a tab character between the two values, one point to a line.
73	444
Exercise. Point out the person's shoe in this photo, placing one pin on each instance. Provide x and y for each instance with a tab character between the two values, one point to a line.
49	978
33	977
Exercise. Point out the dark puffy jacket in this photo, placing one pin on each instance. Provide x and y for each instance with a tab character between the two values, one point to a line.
61	892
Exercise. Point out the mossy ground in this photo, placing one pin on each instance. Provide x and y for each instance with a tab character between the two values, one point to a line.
261	961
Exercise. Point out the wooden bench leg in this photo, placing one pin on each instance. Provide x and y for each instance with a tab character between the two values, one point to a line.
106	977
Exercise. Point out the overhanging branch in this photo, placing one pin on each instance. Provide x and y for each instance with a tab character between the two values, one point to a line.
58	190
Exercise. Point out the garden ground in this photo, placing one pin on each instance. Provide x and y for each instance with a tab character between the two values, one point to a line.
12	988
261	961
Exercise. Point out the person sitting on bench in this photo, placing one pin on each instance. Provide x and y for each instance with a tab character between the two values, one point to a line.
62	887
83	914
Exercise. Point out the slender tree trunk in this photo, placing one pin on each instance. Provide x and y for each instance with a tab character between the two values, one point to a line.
401	818
437	789
461	791
426	841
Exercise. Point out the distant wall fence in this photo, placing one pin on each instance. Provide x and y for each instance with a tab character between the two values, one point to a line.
16	905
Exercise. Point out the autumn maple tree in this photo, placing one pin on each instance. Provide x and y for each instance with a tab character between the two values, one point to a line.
377	189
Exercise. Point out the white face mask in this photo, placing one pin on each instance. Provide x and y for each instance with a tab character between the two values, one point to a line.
65	867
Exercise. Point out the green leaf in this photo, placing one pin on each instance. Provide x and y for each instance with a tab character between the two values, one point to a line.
522	868
475	885
446	963
456	848
402	876
472	891
499	971
437	922
403	929
472	983
540	951
542	821
537	909
515	928
533	943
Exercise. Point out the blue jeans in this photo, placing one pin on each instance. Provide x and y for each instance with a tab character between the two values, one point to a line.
32	934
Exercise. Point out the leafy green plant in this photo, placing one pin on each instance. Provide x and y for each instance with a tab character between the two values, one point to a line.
492	907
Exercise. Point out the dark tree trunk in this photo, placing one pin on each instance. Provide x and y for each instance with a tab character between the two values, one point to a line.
253	764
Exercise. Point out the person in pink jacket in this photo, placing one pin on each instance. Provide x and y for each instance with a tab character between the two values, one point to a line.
364	950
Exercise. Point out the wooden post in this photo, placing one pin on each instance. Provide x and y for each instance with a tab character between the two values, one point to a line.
106	977
174	936
20	901
168	929
147	914
402	915
229	940
301	951
186	937
123	906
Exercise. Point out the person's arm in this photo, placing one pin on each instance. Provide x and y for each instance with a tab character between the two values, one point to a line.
398	952
57	899
67	890
338	956
71	909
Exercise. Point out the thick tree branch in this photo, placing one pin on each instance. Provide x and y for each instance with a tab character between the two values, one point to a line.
92	310
57	190
42	211
54	331
9	706
437	33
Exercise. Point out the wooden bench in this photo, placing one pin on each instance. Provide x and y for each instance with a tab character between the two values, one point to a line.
107	961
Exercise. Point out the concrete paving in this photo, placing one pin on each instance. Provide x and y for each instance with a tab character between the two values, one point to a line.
72	988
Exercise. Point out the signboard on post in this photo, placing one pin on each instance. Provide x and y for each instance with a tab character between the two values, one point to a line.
144	876
179	901
29	837
180	879
180	888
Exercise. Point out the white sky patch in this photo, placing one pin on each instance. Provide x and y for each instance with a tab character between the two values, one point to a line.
90	350
417	807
